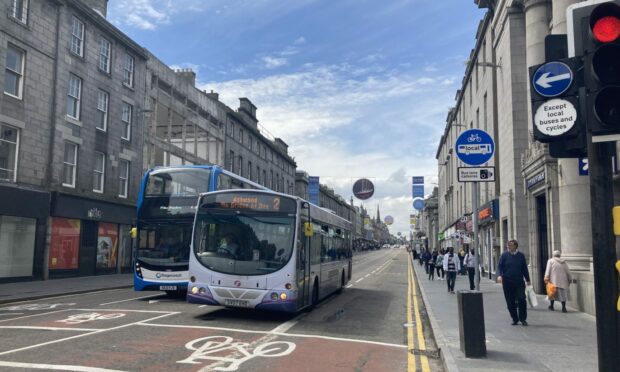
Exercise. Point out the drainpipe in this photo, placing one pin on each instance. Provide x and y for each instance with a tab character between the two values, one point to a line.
52	141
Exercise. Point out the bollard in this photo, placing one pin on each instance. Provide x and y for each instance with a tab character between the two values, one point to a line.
471	324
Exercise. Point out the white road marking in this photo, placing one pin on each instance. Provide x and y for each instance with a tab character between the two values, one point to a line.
349	286
85	334
60	367
130	299
282	328
8	314
359	280
52	328
33	315
276	333
202	306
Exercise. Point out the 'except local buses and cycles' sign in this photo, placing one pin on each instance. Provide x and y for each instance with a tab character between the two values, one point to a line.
555	117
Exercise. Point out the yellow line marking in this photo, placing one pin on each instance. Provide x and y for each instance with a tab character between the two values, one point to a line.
410	346
418	322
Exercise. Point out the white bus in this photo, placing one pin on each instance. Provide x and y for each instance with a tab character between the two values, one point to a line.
266	250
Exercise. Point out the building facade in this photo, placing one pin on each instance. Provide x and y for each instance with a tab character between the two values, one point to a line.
542	202
184	125
71	147
254	155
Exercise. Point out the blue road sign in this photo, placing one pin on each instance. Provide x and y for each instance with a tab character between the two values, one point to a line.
416	180
417	191
552	79
474	147
418	204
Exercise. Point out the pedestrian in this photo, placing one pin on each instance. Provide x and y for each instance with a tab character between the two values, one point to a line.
431	265
426	257
461	259
558	274
451	265
511	273
471	262
439	264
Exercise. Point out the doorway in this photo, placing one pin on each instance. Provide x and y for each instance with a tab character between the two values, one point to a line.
543	248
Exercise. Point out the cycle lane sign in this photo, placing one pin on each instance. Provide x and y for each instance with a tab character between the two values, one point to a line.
474	147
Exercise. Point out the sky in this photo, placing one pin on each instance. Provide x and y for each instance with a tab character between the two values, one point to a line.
356	88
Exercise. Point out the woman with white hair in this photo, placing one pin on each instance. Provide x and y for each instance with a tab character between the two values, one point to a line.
558	274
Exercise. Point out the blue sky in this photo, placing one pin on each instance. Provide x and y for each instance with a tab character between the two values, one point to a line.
356	88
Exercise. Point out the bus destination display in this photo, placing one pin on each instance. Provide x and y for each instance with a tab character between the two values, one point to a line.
256	202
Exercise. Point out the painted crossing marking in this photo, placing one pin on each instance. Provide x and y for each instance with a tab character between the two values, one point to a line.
60	367
130	299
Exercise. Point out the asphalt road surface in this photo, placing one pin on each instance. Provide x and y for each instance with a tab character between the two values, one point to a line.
378	323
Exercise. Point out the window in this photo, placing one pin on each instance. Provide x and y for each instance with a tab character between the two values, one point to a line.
20	10
123	178
231	161
8	152
127	112
128	68
102	110
69	164
249	170
77	37
240	166
240	139
104	55
99	172
14	71
74	97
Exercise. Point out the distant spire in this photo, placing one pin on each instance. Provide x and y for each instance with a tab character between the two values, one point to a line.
378	214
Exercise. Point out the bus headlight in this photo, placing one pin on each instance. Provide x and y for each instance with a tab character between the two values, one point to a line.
282	296
202	290
288	286
192	279
274	296
194	290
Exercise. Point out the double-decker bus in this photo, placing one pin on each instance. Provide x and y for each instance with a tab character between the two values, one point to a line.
266	250
166	211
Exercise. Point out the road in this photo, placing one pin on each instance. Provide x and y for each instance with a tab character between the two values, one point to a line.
377	323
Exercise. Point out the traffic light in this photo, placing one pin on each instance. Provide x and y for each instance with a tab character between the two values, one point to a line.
601	48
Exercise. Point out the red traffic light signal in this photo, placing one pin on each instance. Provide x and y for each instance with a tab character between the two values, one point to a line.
602	69
605	23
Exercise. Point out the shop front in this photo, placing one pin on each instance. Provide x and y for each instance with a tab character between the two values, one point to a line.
488	215
89	237
23	225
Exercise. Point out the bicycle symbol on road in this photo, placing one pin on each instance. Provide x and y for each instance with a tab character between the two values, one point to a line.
205	348
474	138
89	317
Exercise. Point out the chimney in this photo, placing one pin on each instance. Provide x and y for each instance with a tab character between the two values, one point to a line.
248	110
99	6
213	95
187	75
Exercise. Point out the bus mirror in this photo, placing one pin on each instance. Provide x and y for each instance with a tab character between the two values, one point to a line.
308	230
133	232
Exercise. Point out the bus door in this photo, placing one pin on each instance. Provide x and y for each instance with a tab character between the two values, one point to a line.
303	265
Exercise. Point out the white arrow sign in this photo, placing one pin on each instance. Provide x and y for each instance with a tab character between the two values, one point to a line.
544	79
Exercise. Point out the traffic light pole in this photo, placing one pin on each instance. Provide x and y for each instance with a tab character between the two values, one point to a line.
604	255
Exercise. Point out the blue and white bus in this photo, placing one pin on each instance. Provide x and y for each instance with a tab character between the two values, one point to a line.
166	211
286	253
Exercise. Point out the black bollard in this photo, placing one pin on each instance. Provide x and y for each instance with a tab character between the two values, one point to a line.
471	324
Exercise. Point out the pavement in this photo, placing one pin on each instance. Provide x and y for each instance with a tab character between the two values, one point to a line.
552	341
33	290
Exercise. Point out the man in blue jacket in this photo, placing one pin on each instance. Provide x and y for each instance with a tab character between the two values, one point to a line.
512	273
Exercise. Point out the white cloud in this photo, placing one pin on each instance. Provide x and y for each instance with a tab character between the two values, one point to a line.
300	40
273	62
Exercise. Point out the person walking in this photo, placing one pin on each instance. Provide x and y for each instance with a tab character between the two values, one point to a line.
471	262
426	257
558	274
511	272
439	264
461	260
431	266
451	265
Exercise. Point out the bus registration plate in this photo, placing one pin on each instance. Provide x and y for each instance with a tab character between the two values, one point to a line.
167	287
238	303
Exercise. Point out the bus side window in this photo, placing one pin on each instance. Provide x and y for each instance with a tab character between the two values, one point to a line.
224	182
